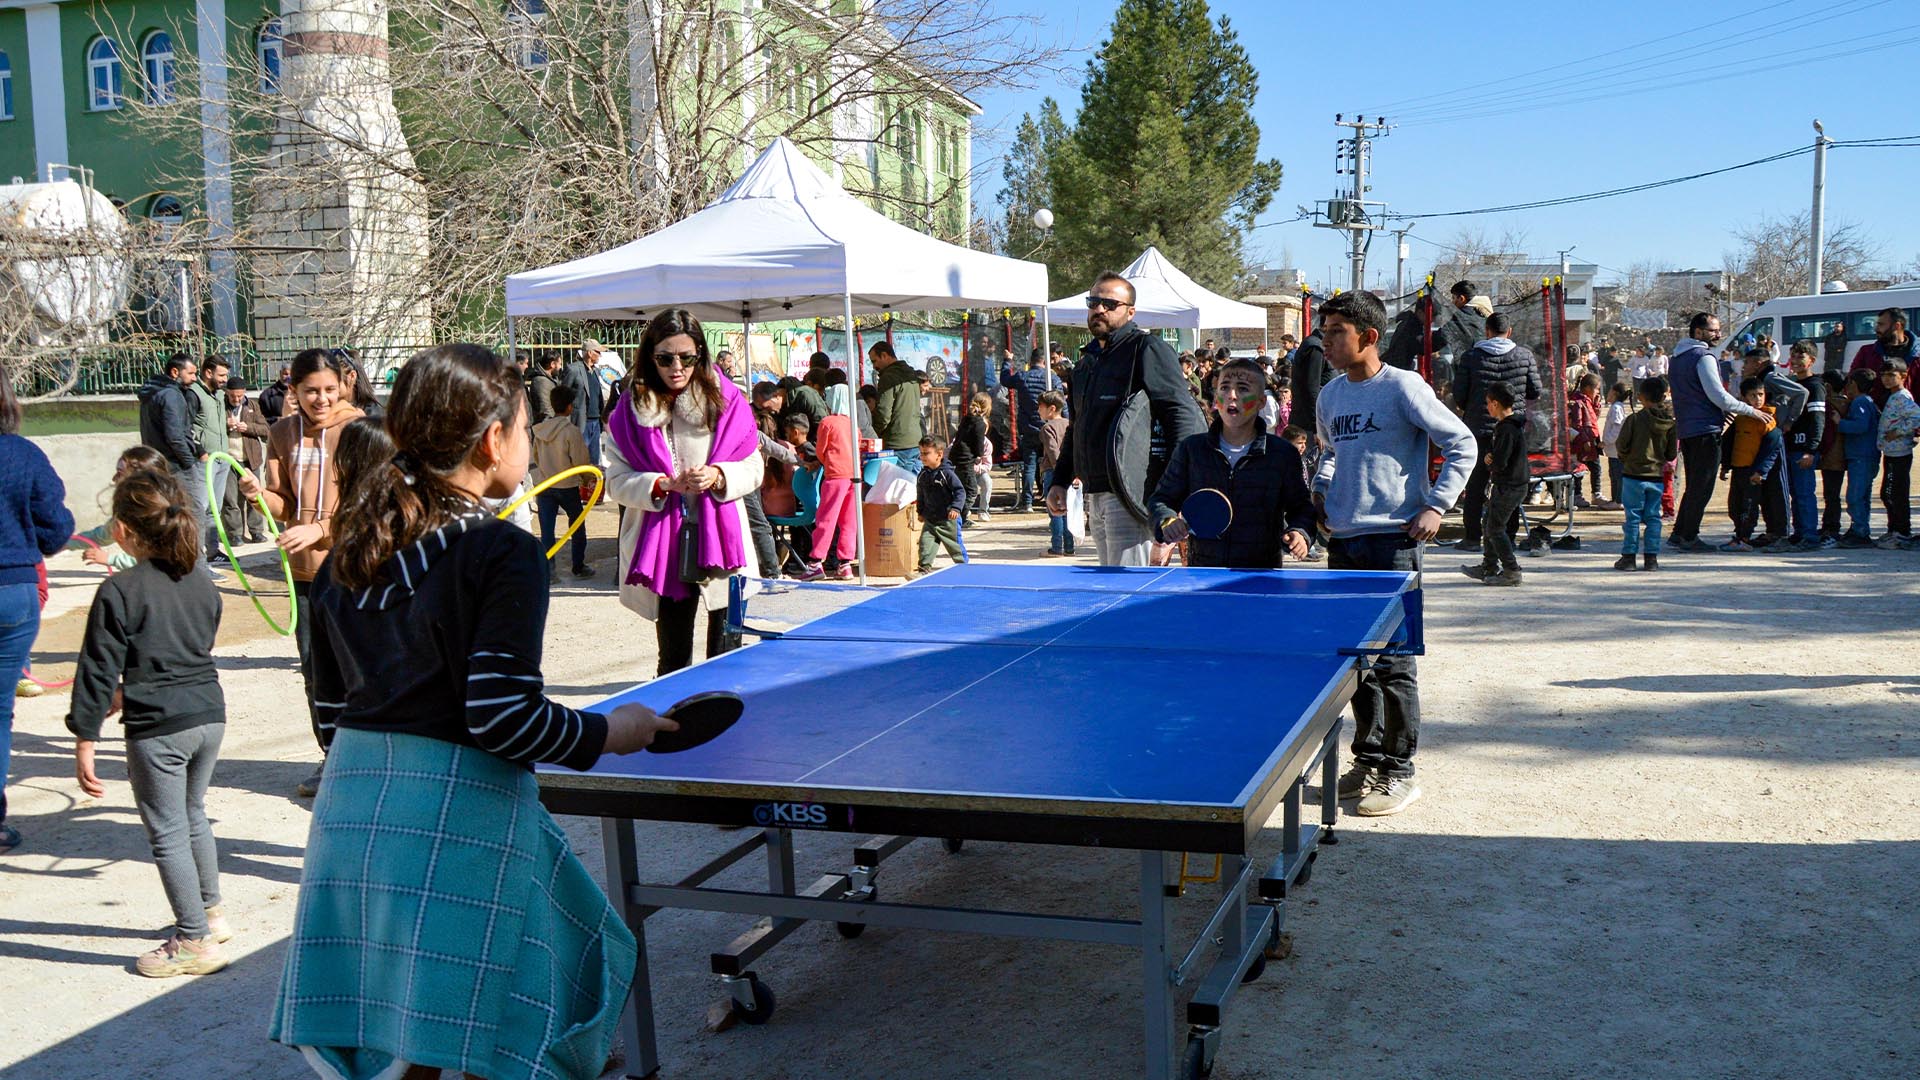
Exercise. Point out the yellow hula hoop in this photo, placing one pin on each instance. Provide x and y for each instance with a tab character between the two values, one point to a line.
273	530
599	486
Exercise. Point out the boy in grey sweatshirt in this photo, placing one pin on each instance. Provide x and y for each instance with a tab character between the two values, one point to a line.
1375	424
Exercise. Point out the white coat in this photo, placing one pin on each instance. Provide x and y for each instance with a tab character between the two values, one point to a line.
688	440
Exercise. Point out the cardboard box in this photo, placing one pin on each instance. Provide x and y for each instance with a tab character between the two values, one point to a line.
892	535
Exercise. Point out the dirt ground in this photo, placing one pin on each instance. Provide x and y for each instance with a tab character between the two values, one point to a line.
1668	829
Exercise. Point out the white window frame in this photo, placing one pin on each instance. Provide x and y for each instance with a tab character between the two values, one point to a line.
524	21
270	41
159	69
6	86
110	69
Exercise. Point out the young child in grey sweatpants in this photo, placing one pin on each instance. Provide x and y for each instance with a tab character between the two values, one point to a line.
148	655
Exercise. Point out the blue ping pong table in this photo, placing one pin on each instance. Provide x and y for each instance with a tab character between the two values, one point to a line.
1040	705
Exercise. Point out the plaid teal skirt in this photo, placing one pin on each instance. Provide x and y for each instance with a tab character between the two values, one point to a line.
444	921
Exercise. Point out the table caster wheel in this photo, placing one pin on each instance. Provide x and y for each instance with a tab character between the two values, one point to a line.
1257	969
1280	947
952	845
763	1003
1194	1063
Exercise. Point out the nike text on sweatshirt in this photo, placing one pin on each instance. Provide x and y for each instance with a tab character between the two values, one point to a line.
1373	472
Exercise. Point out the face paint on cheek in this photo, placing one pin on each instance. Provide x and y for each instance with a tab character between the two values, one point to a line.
1247	398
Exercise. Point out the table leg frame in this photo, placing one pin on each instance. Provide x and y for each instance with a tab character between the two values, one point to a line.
1243	929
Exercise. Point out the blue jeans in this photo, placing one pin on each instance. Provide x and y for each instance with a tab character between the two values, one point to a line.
590	431
19	625
1058	538
1805	512
1642	501
550	502
1860	495
1023	496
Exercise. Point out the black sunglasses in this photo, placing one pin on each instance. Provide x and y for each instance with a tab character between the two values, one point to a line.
1106	303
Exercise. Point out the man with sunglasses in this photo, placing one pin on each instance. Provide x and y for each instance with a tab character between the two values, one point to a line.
1120	361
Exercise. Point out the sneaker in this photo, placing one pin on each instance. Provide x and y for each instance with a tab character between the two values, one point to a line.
1892	542
182	956
310	787
583	572
1476	571
1023	508
1854	542
1353	783
844	572
1387	795
1053	551
983	517
1504	577
1624	562
1468	547
1537	549
28	688
813	572
1649	562
1766	540
1825	543
219	931
9	838
1736	544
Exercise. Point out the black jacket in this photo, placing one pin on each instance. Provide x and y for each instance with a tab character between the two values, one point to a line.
1479	369
1807	431
1509	450
969	442
151	637
939	492
1103	380
1267	489
1309	375
166	421
273	401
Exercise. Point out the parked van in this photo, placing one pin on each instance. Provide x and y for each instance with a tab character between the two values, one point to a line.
1839	322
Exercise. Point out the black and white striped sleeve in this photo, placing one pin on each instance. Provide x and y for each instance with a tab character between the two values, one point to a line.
507	708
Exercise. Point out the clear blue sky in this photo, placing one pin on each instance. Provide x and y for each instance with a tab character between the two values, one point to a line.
1717	96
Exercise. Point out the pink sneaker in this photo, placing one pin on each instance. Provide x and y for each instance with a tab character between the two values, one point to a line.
812	572
182	956
844	573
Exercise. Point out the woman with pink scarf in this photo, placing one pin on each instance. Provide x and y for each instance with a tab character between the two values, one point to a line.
684	452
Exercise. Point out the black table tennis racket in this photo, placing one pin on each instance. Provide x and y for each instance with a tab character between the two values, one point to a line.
702	719
1208	513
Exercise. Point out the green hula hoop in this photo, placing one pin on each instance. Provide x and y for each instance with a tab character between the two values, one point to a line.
273	530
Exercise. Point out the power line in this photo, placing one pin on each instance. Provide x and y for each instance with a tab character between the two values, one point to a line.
1887	142
1414	103
1481	98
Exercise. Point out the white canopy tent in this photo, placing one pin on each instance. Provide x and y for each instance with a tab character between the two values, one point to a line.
784	242
1168	299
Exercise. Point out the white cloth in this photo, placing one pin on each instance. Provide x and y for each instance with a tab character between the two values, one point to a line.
688	440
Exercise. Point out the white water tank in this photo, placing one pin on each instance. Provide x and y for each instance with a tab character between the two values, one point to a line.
63	252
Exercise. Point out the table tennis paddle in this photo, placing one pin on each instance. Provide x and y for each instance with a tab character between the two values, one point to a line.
702	719
1208	513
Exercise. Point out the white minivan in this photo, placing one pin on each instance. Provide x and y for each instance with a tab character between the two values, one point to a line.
1839	322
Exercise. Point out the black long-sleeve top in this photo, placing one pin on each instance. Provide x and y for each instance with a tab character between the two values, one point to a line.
448	646
1267	489
150	636
1509	452
969	442
1106	376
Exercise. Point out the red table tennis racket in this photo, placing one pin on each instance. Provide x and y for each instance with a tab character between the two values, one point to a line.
702	719
1208	513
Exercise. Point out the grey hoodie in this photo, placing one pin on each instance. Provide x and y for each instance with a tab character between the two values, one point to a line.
1373	472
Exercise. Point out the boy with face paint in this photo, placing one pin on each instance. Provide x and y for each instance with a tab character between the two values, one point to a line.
1259	472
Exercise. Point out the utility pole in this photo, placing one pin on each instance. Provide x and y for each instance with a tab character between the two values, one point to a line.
1818	242
1350	210
1400	264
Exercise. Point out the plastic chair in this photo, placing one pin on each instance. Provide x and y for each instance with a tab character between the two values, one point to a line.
806	491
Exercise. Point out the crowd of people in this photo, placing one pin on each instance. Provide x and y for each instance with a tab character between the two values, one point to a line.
420	613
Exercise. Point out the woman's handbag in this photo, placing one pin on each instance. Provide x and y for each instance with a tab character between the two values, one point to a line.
691	571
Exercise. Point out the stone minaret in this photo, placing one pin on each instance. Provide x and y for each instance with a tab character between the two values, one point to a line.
336	196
